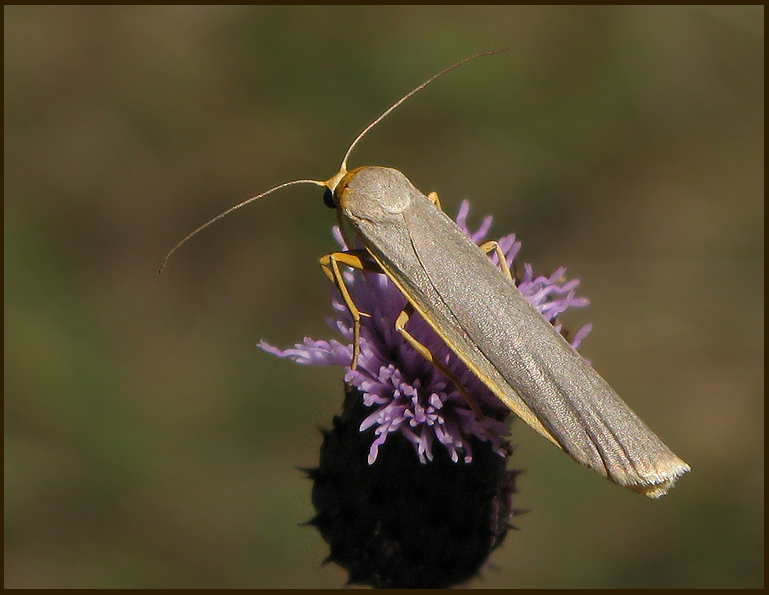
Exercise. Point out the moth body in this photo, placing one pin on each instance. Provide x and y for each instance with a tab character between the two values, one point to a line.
488	323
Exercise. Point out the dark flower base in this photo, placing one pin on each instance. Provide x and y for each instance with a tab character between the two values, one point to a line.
402	524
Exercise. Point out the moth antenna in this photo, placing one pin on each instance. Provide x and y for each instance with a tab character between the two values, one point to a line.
386	113
331	183
227	212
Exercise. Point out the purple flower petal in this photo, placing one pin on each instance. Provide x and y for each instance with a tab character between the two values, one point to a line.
408	395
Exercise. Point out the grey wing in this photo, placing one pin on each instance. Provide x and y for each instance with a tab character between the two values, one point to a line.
577	407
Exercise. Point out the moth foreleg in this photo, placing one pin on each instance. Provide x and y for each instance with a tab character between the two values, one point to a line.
356	259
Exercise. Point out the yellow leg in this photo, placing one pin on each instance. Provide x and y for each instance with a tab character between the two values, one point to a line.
356	259
400	324
492	246
487	247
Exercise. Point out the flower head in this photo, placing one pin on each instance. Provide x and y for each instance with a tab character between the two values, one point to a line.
400	524
403	392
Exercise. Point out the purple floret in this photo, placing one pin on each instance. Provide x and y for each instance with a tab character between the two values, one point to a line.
406	393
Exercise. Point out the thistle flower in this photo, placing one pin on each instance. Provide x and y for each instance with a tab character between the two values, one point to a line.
403	392
402	524
393	519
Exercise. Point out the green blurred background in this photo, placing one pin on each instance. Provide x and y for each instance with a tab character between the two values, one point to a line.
149	443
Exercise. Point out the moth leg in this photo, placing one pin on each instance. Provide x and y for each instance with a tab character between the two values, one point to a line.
492	246
433	196
400	324
356	259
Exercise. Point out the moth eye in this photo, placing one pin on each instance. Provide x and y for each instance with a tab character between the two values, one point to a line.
328	199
